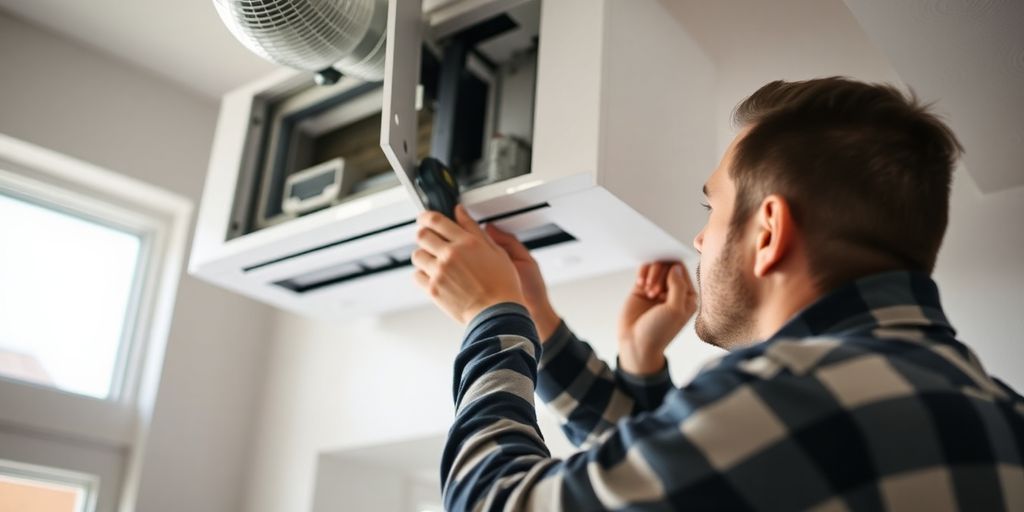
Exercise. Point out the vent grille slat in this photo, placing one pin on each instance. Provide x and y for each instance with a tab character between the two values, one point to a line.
542	236
360	236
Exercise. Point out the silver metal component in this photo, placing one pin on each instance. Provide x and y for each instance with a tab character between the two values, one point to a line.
398	126
316	187
312	35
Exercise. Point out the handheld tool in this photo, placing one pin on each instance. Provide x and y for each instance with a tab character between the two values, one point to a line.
439	188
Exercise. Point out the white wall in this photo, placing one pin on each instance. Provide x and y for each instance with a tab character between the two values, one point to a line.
332	387
980	271
73	100
391	477
335	386
342	485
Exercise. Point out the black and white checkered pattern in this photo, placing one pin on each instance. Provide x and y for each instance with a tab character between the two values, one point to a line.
864	401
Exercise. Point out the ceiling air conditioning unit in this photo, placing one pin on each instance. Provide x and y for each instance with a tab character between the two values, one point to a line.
548	112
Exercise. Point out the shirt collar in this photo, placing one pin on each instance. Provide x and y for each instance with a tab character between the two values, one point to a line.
898	299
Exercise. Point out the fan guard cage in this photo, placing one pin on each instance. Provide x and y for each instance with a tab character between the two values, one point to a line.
312	34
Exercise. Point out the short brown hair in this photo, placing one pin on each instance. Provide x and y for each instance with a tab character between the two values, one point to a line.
865	169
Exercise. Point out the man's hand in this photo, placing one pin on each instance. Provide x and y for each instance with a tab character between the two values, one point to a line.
461	268
660	304
534	290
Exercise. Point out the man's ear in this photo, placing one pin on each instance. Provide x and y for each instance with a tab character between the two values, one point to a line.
774	234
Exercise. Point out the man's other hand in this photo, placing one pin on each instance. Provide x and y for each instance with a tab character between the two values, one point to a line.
534	290
461	268
660	304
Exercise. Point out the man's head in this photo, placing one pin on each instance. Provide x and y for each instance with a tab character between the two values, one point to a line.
828	180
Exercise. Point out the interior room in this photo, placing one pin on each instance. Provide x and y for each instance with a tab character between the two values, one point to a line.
211	244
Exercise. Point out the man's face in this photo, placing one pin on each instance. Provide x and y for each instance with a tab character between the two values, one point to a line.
724	275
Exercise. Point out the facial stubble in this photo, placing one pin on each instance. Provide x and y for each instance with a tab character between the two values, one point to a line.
726	306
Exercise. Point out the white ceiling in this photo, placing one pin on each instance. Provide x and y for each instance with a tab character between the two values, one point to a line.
968	54
183	41
965	56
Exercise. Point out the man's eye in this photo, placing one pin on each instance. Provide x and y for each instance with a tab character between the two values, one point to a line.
706	206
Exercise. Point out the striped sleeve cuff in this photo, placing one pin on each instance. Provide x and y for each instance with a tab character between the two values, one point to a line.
655	379
648	390
563	360
482	324
553	345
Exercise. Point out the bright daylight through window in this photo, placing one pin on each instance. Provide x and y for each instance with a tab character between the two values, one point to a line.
66	297
40	496
43	489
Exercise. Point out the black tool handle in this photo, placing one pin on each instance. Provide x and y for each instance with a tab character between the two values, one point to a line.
438	186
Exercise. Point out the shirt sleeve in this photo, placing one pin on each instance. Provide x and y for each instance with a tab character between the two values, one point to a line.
495	457
587	396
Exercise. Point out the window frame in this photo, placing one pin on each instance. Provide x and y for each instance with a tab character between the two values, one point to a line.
36	473
133	335
119	424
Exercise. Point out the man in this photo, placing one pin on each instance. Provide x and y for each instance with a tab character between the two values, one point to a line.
844	389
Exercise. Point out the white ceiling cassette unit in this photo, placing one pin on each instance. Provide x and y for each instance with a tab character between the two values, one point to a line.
546	111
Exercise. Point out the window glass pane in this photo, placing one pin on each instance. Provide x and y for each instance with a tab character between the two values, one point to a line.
65	289
20	493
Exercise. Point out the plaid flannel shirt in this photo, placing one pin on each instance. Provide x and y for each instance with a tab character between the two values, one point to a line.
863	401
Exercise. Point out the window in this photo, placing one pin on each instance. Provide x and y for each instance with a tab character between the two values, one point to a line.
42	489
89	267
66	288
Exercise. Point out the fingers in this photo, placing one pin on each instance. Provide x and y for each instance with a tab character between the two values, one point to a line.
441	225
656	279
649	281
686	277
641	275
652	280
466	222
430	241
422	279
425	262
676	287
507	241
680	294
454	231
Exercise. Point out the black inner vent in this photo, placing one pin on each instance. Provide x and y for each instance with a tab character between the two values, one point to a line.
542	236
379	231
